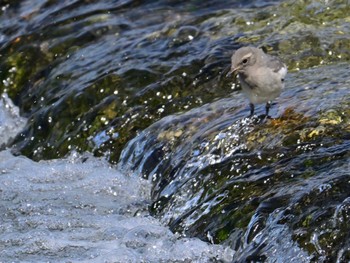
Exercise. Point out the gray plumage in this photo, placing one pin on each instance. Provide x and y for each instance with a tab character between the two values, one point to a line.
261	75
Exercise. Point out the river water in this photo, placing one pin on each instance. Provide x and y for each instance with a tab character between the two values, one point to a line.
122	139
80	209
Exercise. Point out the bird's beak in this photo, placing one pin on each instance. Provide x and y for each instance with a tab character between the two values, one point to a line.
233	70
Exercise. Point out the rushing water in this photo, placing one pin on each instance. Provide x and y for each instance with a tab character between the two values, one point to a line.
80	209
176	172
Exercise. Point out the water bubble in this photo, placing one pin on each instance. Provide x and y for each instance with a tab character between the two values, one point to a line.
13	69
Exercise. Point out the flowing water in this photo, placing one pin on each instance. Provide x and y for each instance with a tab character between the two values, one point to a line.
123	140
80	209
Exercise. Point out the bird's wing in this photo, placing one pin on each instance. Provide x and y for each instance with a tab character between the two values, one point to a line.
276	64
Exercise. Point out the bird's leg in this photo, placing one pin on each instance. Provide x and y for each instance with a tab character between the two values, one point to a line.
251	109
268	105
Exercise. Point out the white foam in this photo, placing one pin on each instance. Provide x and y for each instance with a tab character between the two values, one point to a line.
11	122
80	208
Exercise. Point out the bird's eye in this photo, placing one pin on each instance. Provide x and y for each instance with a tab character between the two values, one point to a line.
245	61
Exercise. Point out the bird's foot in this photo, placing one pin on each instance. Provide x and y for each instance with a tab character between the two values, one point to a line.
251	105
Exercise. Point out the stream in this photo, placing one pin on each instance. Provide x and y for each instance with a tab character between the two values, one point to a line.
123	140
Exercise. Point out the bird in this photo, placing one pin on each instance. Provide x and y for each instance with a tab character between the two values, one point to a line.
261	75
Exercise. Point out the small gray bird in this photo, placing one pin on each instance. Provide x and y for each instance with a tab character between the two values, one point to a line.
261	75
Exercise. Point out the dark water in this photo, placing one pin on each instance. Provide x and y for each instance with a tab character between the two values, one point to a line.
142	84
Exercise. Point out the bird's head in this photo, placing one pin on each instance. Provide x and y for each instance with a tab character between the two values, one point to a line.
243	58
